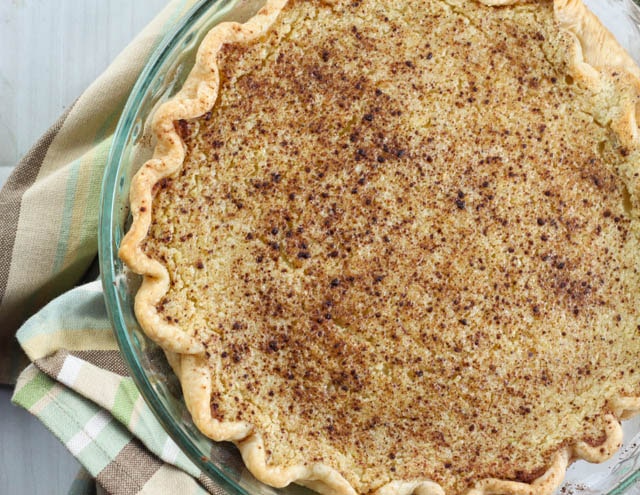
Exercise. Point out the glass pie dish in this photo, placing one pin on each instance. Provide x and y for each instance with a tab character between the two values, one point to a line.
161	79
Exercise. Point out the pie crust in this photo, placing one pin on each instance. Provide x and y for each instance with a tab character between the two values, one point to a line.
597	64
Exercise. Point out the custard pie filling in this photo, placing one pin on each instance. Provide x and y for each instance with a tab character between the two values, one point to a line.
405	235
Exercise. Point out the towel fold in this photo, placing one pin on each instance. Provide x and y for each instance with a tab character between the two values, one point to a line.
78	386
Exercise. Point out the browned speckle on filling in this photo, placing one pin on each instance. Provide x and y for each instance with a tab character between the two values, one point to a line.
404	237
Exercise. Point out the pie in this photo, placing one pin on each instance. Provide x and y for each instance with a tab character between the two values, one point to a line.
393	247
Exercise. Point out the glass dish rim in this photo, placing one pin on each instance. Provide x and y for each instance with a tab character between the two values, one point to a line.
106	252
106	242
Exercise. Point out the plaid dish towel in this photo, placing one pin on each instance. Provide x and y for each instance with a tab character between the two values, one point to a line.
79	388
77	382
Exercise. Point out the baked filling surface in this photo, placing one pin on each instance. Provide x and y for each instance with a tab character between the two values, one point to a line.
406	235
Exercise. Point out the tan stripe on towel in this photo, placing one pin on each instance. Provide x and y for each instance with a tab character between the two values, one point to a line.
11	196
170	479
52	365
211	486
107	360
12	359
131	469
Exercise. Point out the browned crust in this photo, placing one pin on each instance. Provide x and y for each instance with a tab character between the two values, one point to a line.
595	51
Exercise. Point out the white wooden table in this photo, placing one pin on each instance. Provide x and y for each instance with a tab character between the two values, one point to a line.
50	51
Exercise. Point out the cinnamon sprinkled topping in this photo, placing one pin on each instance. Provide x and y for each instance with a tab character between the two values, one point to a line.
397	233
